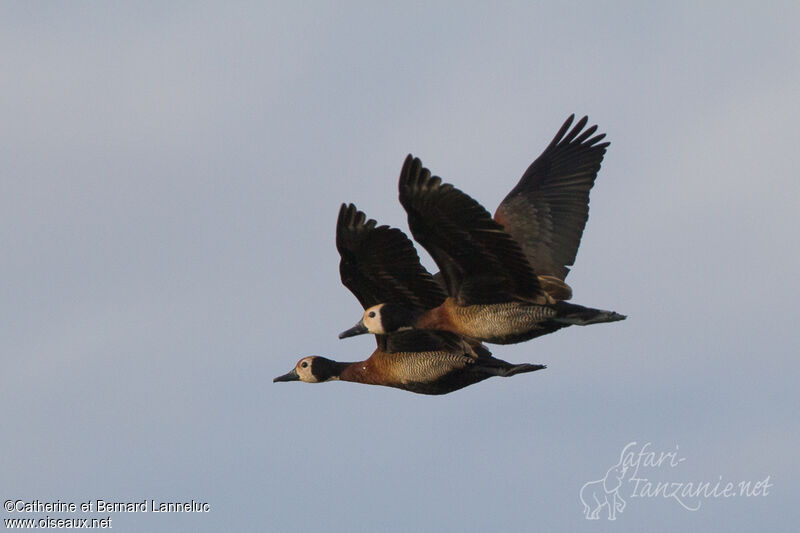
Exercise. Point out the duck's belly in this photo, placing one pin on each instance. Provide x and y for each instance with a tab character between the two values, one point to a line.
421	366
503	323
429	372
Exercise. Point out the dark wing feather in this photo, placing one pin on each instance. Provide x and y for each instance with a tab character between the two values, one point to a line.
480	262
379	264
422	340
547	210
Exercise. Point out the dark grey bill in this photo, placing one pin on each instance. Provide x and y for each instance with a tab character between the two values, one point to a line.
358	329
290	376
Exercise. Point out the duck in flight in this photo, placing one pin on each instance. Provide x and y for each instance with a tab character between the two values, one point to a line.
379	264
503	275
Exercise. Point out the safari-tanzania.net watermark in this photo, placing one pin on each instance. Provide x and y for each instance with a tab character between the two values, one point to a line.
634	476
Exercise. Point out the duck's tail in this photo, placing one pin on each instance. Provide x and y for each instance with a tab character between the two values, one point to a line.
513	370
497	367
578	315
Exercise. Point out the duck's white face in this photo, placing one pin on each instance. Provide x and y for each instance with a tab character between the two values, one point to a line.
371	322
300	372
372	319
303	369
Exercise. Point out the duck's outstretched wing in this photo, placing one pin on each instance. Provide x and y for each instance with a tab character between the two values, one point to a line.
480	263
379	264
547	210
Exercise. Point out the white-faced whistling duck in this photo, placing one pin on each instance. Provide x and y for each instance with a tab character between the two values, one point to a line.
380	264
504	275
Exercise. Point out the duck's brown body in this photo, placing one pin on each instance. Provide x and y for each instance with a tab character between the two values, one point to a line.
508	322
502	323
432	372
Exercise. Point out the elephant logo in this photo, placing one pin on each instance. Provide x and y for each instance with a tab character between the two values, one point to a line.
604	493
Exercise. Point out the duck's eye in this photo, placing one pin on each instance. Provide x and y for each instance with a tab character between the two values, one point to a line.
304	364
371	314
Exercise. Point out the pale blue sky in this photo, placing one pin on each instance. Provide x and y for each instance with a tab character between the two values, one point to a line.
171	179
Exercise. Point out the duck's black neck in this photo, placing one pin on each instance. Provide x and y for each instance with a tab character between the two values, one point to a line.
325	369
395	317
